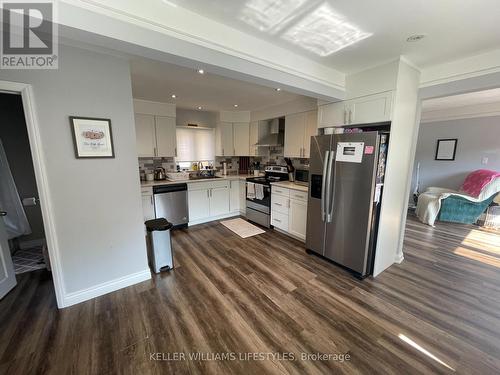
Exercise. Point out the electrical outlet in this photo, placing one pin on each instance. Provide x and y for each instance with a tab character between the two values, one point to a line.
484	160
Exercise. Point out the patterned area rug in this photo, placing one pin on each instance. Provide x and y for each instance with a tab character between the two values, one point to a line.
28	260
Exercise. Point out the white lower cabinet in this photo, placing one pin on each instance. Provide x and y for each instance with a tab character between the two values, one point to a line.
219	201
148	206
297	218
289	211
208	201
199	205
243	197
234	192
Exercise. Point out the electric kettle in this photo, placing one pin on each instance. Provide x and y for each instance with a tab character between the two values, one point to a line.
160	173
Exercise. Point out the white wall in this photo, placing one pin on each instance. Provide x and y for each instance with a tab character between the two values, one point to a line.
190	116
477	138
96	203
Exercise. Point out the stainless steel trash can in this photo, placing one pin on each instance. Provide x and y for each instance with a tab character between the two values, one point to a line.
159	245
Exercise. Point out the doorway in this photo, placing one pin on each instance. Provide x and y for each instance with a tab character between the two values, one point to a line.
22	220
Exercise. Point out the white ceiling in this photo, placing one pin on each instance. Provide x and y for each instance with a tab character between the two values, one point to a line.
462	100
157	81
453	28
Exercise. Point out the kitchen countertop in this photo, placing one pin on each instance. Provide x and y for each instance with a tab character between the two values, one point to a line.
218	178
291	185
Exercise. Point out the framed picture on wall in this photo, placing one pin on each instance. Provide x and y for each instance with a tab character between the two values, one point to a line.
92	137
446	149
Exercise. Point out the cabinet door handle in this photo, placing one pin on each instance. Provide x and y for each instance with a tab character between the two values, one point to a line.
154	152
345	116
234	152
278	204
152	201
208	193
350	117
175	152
277	220
222	152
288	203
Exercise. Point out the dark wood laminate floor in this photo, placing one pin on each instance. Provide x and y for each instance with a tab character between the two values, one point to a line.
437	312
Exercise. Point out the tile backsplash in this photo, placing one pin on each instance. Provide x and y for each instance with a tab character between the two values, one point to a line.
275	157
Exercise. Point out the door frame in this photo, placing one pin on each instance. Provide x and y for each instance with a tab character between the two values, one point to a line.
41	178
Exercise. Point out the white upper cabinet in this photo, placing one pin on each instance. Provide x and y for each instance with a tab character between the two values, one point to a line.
299	128
165	136
332	114
253	139
155	128
294	134
311	130
362	110
372	108
145	134
233	139
224	142
241	138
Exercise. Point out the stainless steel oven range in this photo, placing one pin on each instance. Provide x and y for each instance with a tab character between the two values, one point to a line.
259	204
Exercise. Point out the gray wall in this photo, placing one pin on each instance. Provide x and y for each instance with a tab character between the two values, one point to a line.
201	118
477	138
14	136
96	203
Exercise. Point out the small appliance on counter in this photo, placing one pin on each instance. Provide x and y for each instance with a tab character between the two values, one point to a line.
291	169
160	174
302	176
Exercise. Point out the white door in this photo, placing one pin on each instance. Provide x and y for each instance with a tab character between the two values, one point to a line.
241	138
219	201
294	135
166	141
225	132
372	108
145	134
199	204
332	114
234	192
297	218
7	275
310	131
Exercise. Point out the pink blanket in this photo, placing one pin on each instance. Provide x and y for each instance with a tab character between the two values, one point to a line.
477	180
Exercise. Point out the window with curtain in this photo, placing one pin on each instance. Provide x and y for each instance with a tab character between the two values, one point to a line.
195	144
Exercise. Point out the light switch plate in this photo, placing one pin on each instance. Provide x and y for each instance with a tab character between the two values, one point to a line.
484	160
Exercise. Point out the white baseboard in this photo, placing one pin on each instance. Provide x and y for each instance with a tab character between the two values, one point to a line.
105	288
213	218
399	258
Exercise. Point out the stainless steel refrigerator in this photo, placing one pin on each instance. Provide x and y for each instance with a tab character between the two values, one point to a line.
345	188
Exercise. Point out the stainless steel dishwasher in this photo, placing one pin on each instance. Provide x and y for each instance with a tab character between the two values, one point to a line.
171	203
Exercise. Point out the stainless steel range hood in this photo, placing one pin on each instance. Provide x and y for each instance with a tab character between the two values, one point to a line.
276	136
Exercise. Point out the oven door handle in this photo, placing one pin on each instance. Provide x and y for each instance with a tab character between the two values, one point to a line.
323	187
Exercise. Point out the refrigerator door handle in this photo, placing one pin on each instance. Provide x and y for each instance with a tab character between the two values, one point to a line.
331	199
323	187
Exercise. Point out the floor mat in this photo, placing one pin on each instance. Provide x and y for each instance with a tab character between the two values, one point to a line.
28	260
242	228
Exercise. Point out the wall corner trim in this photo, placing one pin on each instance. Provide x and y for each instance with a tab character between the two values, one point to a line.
73	298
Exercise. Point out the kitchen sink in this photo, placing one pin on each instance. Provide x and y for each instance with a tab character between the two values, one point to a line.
201	177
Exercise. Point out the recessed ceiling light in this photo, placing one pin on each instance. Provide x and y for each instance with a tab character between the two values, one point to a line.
174	96
324	32
201	71
415	38
200	107
278	89
235	105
